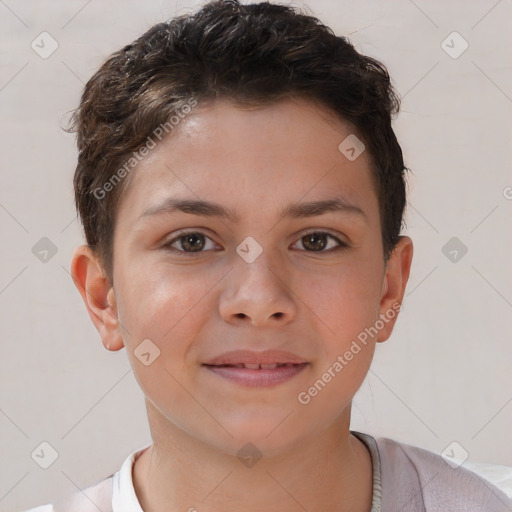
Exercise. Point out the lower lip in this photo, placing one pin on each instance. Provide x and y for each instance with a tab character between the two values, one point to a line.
257	378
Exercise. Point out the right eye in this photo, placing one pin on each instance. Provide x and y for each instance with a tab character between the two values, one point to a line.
190	242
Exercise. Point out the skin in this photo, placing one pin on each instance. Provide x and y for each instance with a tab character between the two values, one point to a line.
256	162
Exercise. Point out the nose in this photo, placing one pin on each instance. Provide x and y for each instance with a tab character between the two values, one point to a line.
257	294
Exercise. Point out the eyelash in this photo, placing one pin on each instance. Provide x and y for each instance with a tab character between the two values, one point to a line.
167	246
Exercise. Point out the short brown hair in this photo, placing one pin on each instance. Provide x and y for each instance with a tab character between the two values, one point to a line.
252	54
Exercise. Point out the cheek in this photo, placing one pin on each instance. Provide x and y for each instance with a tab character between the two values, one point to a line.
344	302
160	301
163	314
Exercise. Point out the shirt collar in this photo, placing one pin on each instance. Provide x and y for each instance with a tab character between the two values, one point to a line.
124	498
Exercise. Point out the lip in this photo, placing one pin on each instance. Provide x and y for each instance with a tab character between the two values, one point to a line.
258	378
283	366
251	357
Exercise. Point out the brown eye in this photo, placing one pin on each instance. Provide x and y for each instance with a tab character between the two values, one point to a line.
318	241
189	243
193	242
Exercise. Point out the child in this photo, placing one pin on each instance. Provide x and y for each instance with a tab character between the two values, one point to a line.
216	152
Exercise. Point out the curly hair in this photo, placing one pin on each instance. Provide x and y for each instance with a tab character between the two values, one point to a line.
254	54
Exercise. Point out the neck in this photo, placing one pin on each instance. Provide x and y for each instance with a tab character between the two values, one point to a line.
330	472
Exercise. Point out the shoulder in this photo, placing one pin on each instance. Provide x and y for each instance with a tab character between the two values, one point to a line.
114	492
413	477
95	497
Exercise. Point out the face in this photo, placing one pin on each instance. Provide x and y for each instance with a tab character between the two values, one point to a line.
285	282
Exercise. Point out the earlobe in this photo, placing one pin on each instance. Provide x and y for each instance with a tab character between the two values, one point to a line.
393	288
98	296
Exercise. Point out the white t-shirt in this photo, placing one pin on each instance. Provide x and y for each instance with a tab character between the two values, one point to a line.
405	478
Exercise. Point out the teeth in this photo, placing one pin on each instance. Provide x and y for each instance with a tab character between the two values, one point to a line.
256	366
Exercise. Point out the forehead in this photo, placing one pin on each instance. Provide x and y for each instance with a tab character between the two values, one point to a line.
259	157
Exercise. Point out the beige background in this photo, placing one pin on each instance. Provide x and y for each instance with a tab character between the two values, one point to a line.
445	374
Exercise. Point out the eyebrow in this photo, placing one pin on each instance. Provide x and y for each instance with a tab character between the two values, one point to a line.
210	209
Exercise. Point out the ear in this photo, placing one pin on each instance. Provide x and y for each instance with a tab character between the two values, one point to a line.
393	287
98	296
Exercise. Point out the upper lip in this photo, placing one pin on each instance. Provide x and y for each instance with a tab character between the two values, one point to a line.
251	357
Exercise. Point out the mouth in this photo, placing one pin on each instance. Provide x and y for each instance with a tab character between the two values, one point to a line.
260	377
253	366
253	360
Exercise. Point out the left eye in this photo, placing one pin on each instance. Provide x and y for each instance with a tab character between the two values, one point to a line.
318	241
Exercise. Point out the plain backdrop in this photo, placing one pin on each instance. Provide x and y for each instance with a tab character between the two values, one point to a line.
444	376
